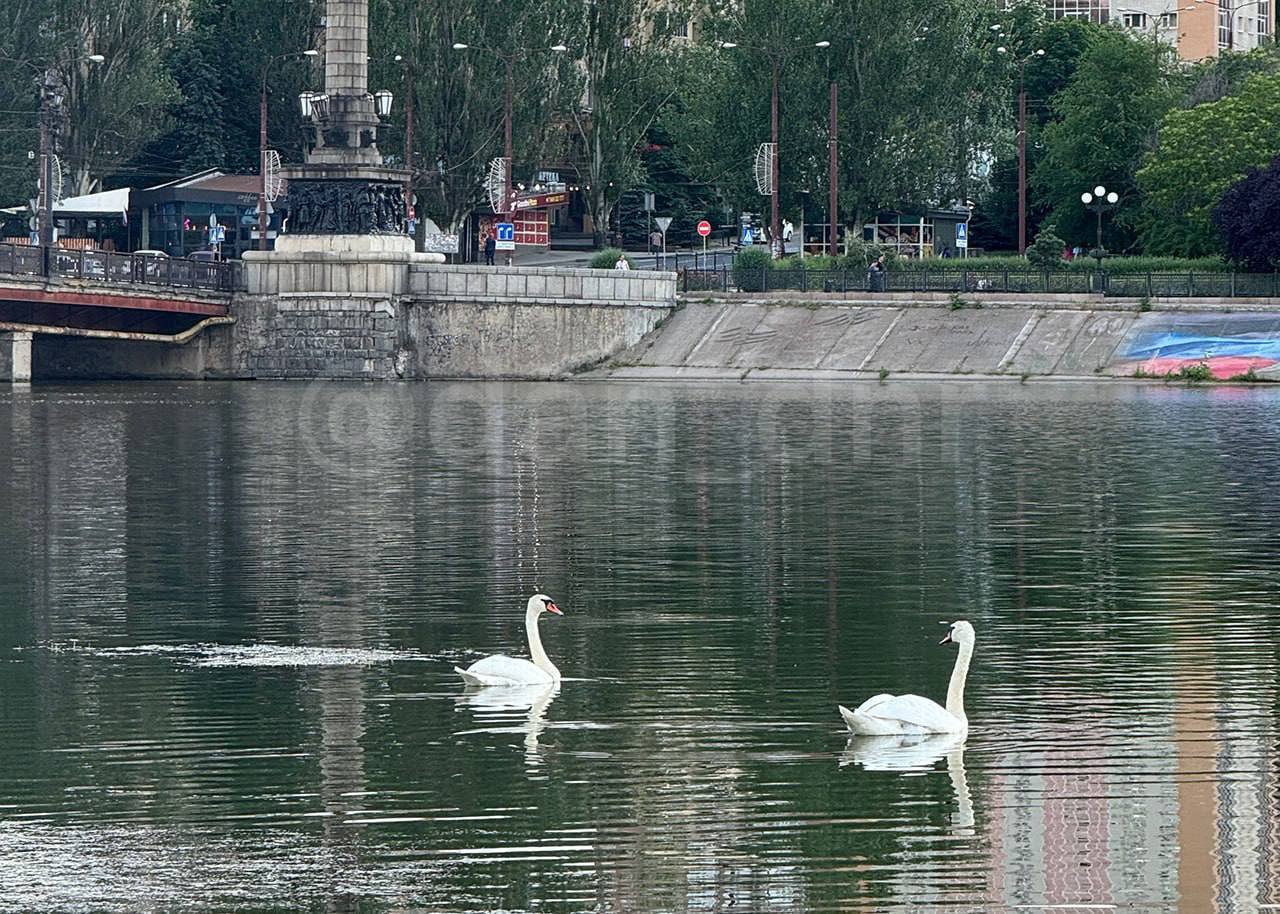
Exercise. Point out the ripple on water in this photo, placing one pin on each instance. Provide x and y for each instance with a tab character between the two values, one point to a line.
243	655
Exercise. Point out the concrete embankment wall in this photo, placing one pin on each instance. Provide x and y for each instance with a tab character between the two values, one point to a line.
448	322
1066	338
464	322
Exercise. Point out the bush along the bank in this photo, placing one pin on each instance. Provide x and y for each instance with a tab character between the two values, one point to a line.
607	259
751	260
1045	252
749	267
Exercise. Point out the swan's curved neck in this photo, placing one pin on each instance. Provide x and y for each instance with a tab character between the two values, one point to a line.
536	653
955	691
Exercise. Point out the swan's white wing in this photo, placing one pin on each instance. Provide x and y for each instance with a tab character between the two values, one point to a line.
916	712
501	670
866	706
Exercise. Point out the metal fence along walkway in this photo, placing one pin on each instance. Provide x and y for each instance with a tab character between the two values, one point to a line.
23	260
1015	282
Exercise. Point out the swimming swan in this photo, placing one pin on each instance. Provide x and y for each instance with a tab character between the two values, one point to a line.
501	670
883	715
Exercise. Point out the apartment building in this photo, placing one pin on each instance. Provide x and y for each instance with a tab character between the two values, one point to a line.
1197	28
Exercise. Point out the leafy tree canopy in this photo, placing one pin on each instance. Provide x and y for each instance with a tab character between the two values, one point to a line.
1202	151
1248	219
1106	121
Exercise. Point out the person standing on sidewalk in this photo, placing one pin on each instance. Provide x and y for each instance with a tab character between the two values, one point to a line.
490	248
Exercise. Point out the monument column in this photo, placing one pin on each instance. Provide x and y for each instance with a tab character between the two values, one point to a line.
346	229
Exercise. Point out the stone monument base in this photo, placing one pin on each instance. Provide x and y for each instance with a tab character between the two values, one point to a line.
359	265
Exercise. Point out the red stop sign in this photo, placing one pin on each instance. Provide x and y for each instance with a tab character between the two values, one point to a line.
704	228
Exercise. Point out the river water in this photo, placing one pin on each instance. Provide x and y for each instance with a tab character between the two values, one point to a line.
230	614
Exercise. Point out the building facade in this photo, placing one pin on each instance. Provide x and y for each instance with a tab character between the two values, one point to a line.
1197	28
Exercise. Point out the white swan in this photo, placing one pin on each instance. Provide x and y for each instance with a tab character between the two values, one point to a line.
501	670
883	715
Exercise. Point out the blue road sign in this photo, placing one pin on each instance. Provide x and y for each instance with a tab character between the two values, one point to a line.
505	236
962	234
746	235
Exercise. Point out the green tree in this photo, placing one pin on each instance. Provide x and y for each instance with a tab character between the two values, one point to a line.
457	94
1106	121
1202	151
1064	41
628	56
110	109
1248	218
922	95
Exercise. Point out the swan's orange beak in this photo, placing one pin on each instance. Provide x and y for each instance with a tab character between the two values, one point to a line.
946	639
552	608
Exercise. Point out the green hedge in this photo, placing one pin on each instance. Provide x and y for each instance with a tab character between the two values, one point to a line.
1079	265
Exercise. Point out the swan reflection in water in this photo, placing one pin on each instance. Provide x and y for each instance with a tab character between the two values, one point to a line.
499	704
917	753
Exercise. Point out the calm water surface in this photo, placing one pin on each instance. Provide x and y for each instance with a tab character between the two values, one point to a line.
230	615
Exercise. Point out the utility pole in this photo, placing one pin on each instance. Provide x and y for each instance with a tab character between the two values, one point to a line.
775	211
409	91
50	103
262	162
1022	159
833	157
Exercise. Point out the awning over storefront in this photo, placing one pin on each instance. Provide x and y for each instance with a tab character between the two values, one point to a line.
105	203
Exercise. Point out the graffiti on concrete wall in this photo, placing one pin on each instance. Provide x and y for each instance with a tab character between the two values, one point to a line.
1229	345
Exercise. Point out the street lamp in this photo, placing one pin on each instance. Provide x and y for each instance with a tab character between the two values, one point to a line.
1022	144
1100	201
262	139
508	62
51	86
776	58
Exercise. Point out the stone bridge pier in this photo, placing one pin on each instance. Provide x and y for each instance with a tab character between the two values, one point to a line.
15	356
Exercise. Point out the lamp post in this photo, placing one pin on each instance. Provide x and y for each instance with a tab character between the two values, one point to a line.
1022	144
262	141
776	58
1100	200
833	155
508	58
51	87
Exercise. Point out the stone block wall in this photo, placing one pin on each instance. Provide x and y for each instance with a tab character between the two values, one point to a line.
330	337
541	285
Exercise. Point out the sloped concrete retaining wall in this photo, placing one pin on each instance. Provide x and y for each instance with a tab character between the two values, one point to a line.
816	341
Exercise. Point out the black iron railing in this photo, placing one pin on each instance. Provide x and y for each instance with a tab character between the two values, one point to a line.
111	268
1014	282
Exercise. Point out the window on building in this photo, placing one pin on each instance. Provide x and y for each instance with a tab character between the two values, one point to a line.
1094	10
1264	19
1134	20
907	235
1224	24
1168	20
683	30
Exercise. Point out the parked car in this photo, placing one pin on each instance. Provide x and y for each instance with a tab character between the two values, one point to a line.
204	256
152	265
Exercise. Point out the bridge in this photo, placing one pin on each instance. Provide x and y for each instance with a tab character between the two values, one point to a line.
53	291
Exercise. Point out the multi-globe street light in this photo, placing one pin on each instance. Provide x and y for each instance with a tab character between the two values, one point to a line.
1100	200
